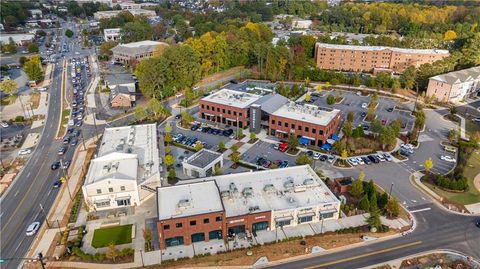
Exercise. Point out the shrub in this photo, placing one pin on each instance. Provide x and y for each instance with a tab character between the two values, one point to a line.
330	99
19	119
126	252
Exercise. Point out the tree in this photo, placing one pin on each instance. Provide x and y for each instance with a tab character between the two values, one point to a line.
428	164
392	207
217	171
308	97
168	138
330	99
449	35
168	127
106	49
235	157
198	146
387	137
374	219
234	148
169	160
69	33
33	68
293	142
382	201
357	188
361	176
112	252
9	86
369	188
156	107
453	110
364	204
408	77
303	159
350	116
171	174
10	47
318	88
221	145
33	48
370	113
140	113
347	129
253	136
189	96
187	118
240	133
452	135
344	156
372	198
137	30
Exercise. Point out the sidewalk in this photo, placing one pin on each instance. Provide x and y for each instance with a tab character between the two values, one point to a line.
462	128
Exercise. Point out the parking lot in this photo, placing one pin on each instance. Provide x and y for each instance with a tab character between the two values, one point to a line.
353	102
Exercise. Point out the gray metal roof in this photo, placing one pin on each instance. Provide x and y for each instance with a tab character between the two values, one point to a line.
271	102
459	76
203	158
118	78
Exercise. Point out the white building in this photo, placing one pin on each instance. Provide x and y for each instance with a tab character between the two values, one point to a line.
35	13
126	170
136	51
111	34
129	6
202	163
301	24
19	39
113	13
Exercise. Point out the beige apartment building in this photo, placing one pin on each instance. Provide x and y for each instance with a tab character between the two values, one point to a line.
373	58
454	86
136	51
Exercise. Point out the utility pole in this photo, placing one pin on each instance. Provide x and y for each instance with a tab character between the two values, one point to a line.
95	124
40	258
65	176
46	218
390	192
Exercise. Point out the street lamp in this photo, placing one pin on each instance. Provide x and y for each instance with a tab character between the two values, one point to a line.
390	192
46	218
66	179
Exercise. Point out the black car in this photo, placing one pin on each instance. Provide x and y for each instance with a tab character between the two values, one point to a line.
55	165
194	127
206	129
62	150
234	81
390	109
366	160
69	130
74	142
323	158
365	127
373	159
363	114
309	153
216	131
76	132
178	116
227	132
477	223
66	140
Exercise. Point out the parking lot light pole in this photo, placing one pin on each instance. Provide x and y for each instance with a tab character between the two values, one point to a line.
390	192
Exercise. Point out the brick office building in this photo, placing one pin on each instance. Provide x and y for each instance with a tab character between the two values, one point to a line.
311	124
228	107
373	58
230	205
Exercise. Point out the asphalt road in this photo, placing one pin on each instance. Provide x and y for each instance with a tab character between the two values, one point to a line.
33	187
437	229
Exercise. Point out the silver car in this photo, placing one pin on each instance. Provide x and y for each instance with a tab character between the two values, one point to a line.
33	228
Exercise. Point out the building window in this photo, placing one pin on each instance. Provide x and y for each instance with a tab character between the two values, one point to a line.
234	113
203	106
286	124
282	223
123	202
193	222
206	221
223	110
99	191
304	219
321	132
218	219
293	126
314	131
326	215
178	225
273	121
122	188
229	112
213	109
208	107
306	129
279	123
299	128
218	109
110	189
166	227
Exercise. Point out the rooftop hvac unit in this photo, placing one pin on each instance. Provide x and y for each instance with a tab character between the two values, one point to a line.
184	204
225	194
288	184
253	208
300	188
269	188
247	192
291	200
232	187
115	165
308	182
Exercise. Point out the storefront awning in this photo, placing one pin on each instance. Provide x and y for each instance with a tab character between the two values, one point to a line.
309	214
329	211
283	218
280	131
102	200
208	114
123	198
230	119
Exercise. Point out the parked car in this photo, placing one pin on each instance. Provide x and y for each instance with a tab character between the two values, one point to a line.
352	161
360	161
283	147
366	160
33	228
373	159
284	164
316	156
74	142
195	126
178	116
24	152
330	159
364	105
66	164
477	223
275	146
62	150
66	140
387	157
4	124
57	184
448	158
323	157
380	157
55	165
309	153
363	115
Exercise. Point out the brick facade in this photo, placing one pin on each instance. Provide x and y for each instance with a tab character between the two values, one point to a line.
247	221
282	127
224	113
345	58
192	225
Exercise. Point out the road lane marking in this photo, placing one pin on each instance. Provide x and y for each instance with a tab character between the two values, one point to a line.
420	210
365	255
16	193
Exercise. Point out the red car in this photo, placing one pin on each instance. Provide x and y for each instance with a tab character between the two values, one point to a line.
384	121
283	147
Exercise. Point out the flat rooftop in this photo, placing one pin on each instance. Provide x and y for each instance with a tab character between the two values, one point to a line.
140	140
278	189
188	200
380	48
113	166
307	113
203	158
232	98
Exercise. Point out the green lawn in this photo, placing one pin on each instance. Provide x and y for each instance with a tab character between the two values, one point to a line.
117	235
472	195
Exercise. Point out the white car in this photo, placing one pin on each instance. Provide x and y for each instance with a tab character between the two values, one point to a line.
364	105
42	89
330	159
387	157
316	156
4	124
360	161
380	157
448	158
353	161
33	228
24	152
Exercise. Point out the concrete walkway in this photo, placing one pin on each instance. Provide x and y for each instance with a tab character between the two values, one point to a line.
462	128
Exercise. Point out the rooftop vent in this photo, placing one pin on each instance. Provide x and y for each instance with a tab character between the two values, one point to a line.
291	200
232	187
300	188
253	208
225	194
269	188
184	204
247	192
